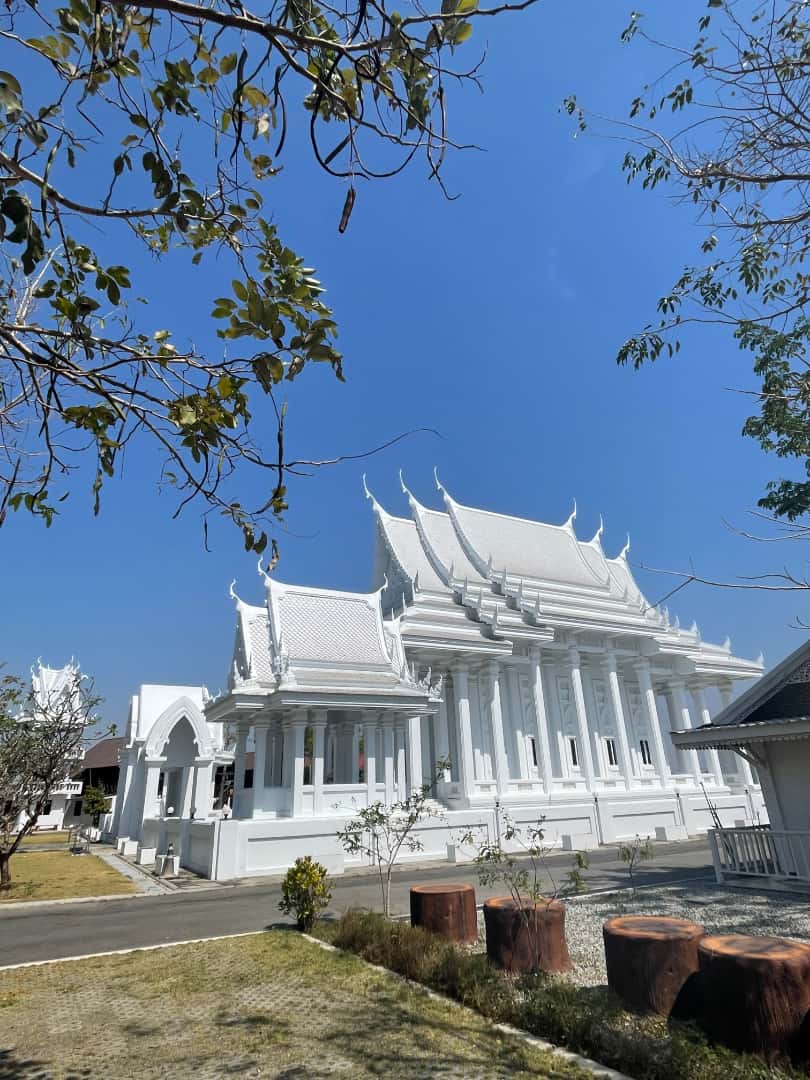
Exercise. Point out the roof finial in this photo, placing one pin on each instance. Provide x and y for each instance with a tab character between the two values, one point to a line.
232	592
262	572
598	535
569	524
727	644
436	478
761	658
623	553
402	484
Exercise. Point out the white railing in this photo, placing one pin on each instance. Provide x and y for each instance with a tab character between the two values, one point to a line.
759	851
68	787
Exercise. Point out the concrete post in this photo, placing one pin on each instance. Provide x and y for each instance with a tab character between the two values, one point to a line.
705	717
388	757
642	667
496	723
582	717
683	718
370	753
415	775
541	720
609	664
318	721
461	693
298	728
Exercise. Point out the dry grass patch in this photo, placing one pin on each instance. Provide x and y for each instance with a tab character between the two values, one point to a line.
58	875
270	1005
43	839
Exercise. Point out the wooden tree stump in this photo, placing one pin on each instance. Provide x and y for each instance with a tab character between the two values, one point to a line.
447	910
649	959
755	993
531	938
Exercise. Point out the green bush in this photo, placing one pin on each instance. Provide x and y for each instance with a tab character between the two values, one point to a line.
588	1021
305	892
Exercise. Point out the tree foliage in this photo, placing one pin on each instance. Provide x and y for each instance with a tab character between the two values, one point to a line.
726	126
41	731
95	803
382	834
136	132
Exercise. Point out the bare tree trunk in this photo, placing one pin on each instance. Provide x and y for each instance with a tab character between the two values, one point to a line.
5	871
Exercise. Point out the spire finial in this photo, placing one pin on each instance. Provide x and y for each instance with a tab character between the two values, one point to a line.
569	524
598	534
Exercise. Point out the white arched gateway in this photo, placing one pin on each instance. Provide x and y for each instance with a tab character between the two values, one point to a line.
169	770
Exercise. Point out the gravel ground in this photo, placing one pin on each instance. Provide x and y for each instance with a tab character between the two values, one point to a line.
720	910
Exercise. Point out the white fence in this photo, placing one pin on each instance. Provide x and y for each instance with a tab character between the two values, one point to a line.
758	851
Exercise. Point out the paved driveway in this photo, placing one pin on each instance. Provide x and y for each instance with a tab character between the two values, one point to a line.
56	931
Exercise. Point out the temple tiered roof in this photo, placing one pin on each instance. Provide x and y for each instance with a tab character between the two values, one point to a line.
324	640
444	573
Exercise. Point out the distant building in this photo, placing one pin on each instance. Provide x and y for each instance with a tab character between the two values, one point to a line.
524	655
46	683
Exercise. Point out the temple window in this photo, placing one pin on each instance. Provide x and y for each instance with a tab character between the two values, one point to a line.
248	778
646	756
573	751
533	748
612	756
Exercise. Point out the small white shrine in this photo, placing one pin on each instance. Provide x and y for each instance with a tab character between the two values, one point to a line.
175	768
525	656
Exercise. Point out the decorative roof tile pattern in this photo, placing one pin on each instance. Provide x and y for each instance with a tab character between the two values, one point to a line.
317	626
261	661
524	548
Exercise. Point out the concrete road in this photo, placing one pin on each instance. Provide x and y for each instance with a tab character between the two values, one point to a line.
57	931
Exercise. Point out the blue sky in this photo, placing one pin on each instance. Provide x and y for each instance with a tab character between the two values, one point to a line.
494	319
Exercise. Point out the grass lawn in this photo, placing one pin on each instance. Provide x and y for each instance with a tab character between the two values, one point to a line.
44	839
57	875
270	1005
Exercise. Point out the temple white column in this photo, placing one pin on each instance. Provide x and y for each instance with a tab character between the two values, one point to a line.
153	769
399	737
388	758
617	708
541	719
582	716
743	767
682	717
198	797
501	761
466	763
260	739
370	758
705	717
415	776
298	727
354	775
642	667
240	795
317	719
515	722
442	736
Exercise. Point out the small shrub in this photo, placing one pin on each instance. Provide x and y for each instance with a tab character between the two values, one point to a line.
305	892
587	1020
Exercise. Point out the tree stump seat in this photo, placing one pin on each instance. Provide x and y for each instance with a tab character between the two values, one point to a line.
755	993
526	938
446	910
650	958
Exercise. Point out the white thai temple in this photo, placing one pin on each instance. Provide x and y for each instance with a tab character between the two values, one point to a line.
48	685
525	656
